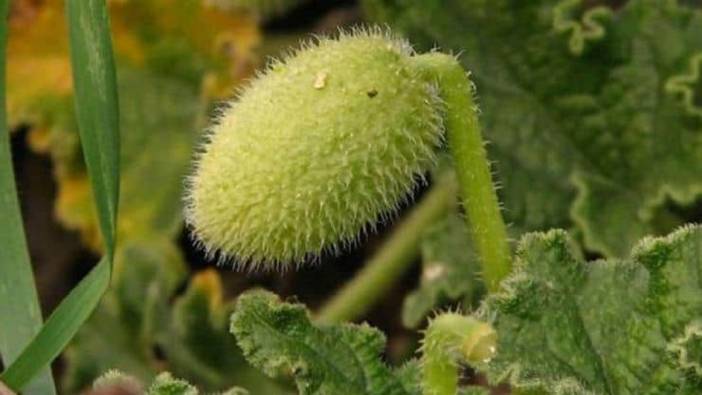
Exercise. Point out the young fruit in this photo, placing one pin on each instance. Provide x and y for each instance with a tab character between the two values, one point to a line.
316	150
451	339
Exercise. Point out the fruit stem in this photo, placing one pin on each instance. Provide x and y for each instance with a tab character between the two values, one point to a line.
394	257
472	167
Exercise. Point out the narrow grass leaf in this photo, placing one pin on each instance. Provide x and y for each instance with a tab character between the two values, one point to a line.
59	328
97	114
19	303
96	106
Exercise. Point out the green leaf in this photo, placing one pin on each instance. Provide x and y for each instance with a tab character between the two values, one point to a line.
115	380
593	112
613	327
163	384
161	118
143	327
96	106
449	270
408	374
279	339
18	295
474	391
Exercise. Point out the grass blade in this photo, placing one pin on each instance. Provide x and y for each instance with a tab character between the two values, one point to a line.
59	328
95	87
97	113
19	303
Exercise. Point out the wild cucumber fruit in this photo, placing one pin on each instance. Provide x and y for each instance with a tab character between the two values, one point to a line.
315	150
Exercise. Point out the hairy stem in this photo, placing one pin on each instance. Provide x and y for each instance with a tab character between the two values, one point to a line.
396	254
450	339
471	163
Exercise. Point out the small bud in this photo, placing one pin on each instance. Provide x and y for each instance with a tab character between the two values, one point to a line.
314	151
451	339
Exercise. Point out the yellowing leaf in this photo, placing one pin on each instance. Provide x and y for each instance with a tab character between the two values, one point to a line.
174	58
37	64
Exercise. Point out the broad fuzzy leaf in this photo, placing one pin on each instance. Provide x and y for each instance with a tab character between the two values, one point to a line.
142	327
594	113
279	339
615	327
164	384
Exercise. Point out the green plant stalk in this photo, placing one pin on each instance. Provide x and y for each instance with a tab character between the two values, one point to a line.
396	254
20	315
472	165
450	339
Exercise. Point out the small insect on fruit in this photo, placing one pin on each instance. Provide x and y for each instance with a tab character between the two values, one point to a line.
315	150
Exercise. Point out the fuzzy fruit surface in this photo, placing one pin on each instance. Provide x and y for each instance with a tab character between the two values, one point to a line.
315	151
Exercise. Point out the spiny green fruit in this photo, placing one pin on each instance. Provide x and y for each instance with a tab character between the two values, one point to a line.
315	150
